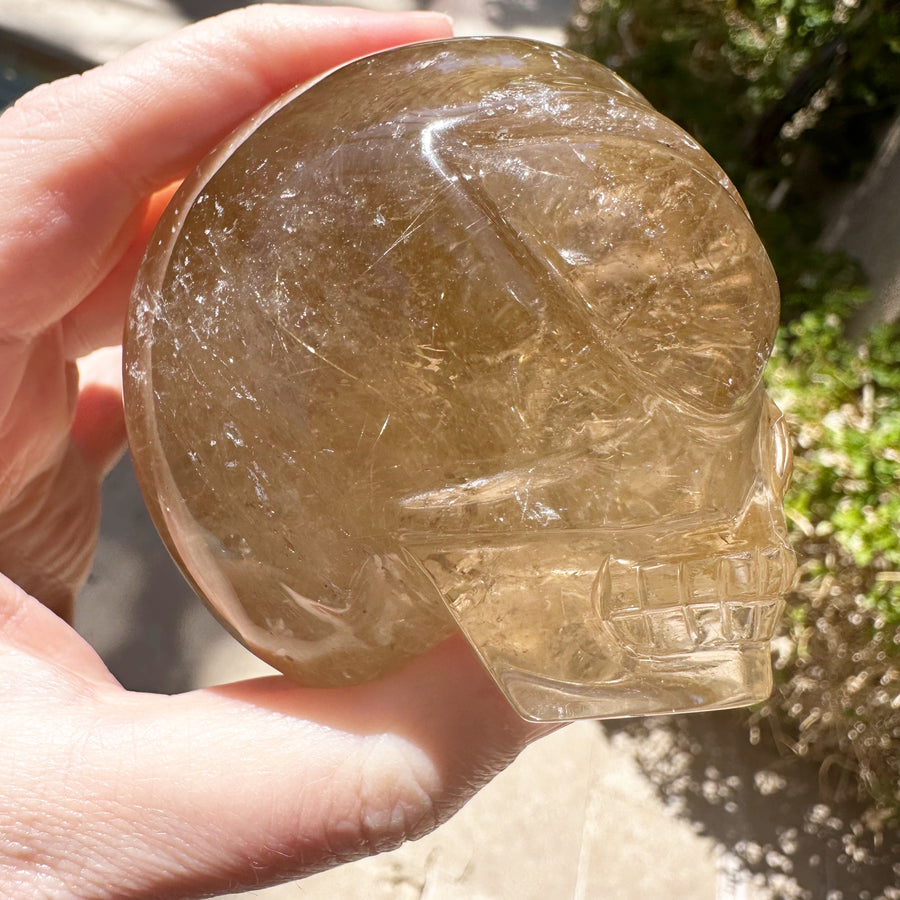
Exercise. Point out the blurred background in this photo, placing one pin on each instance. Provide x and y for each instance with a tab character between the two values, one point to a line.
797	799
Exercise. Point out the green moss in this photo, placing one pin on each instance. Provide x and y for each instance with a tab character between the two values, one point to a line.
842	400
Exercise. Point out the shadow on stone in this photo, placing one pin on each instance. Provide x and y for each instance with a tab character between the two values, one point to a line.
26	62
202	9
511	15
137	610
776	817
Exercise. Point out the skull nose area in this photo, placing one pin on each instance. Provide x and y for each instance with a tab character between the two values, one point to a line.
678	285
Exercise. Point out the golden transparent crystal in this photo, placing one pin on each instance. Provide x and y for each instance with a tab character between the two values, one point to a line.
466	335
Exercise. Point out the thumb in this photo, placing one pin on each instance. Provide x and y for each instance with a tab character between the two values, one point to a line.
264	781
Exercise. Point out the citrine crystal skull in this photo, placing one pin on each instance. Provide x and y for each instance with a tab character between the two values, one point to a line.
466	336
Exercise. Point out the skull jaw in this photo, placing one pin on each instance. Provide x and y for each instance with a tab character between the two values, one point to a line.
695	682
594	668
576	626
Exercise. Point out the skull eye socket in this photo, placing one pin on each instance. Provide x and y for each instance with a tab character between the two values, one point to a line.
649	256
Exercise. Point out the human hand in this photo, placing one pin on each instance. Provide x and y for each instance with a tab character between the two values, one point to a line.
108	794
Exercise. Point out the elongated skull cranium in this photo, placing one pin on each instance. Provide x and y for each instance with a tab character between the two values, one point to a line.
467	335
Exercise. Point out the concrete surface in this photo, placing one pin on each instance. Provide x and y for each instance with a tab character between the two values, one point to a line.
684	810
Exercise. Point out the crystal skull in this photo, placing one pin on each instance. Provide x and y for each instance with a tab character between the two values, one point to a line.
465	335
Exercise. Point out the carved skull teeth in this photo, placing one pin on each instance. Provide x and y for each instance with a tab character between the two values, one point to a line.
678	607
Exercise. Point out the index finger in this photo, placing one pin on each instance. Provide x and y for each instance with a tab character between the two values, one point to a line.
78	156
